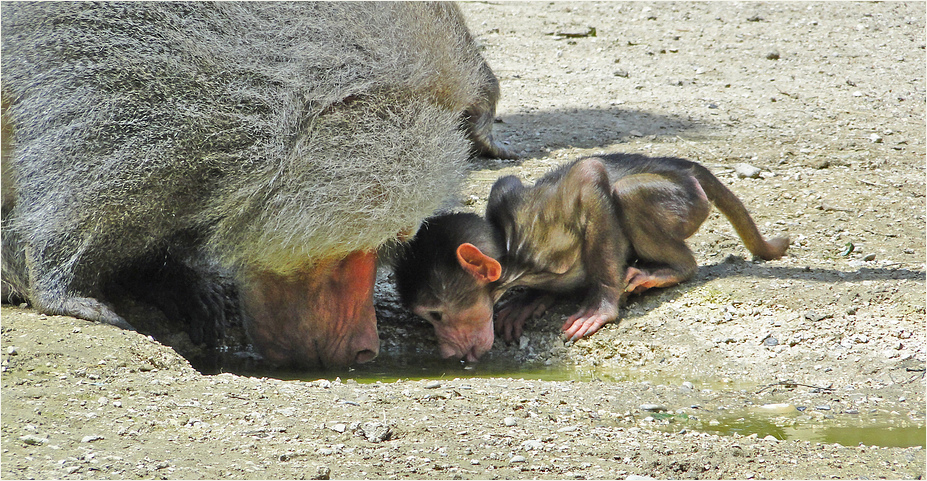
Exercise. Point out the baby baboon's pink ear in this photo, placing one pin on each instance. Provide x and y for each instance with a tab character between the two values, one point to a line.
484	268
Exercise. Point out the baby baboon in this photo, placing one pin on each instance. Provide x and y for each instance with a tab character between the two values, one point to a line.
578	229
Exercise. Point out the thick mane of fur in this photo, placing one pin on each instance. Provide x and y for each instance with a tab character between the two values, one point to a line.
310	204
279	132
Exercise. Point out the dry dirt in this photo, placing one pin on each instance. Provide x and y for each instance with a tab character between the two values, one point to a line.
811	366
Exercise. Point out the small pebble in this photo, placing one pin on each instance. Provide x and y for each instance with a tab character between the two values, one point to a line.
532	444
770	341
869	257
654	408
747	171
819	163
33	440
323	472
433	385
474	462
875	138
12	350
621	73
376	432
777	408
823	407
91	438
774	55
815	317
510	421
518	459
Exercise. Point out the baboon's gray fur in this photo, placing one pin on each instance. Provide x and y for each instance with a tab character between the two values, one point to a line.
268	134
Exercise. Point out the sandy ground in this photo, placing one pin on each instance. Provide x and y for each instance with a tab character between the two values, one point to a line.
811	366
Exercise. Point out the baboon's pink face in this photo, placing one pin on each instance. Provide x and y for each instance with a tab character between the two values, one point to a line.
321	316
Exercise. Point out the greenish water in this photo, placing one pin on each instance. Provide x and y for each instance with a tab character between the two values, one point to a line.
847	430
415	368
431	368
849	433
876	436
441	369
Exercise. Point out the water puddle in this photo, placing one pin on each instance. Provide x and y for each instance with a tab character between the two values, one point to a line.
890	430
413	368
890	436
846	432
